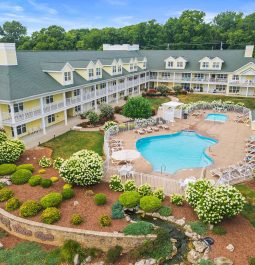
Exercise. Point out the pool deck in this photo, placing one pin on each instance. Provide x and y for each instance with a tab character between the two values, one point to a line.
229	150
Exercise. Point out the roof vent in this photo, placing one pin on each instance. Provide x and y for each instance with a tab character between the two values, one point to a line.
8	54
123	47
249	51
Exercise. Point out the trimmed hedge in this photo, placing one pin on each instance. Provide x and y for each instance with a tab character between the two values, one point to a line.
165	211
50	215
67	194
7	169
5	194
35	180
129	199
52	199
139	228
26	166
150	203
117	211
76	219
46	183
30	208
12	204
100	199
21	176
105	220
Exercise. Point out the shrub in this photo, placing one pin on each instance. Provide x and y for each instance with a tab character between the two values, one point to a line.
29	208
113	254
130	185
52	199
100	199
67	194
69	249
251	260
35	180
54	179
76	219
105	220
106	111
50	215
115	183
26	166
12	204
93	118
41	171
165	211
7	169
219	230
139	228
150	203
177	199
108	125
117	211
129	199
163	90
46	183
137	107
21	176
199	227
145	190
57	163
206	262
10	150
3	136
83	168
159	193
5	194
89	193
67	186
117	109
45	162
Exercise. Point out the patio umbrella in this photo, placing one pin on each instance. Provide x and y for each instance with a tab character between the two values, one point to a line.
126	155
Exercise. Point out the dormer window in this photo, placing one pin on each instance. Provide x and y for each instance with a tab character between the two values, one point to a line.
114	69
98	71
216	65
135	67
205	65
170	64
179	64
144	65
91	73
131	67
67	76
119	68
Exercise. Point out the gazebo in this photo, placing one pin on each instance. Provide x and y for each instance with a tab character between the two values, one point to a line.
171	110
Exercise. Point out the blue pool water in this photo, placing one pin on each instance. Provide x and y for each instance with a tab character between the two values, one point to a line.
172	152
216	117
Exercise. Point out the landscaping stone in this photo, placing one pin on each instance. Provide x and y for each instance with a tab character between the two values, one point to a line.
75	203
146	262
230	247
193	256
88	259
223	261
200	246
76	260
1	245
180	222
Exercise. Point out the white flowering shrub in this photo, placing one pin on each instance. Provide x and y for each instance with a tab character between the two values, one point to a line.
83	168
159	193
129	185
177	199
10	150
145	190
109	124
57	163
115	183
45	162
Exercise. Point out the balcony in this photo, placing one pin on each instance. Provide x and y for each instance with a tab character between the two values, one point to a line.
21	116
73	100
130	83
53	106
136	82
112	89
142	80
245	83
121	86
218	80
101	92
88	96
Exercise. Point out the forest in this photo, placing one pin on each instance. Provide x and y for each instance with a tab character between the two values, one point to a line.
228	30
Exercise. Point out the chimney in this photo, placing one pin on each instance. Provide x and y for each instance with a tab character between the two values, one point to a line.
8	54
249	51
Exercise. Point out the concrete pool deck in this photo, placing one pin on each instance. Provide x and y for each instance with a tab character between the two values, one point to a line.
229	150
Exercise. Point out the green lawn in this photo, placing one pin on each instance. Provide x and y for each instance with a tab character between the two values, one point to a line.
68	143
249	208
157	101
249	102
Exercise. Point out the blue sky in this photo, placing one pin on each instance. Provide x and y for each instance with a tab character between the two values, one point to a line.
35	14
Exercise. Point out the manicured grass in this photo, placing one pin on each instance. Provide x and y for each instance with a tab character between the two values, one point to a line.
68	143
249	102
157	101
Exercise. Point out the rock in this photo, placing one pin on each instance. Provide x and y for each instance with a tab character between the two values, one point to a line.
193	256
173	240
200	246
140	262
223	261
127	218
75	203
76	260
180	222
88	259
1	245
188	228
211	227
230	247
146	262
6	181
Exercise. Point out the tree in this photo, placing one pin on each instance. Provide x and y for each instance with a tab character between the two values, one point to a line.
137	107
163	90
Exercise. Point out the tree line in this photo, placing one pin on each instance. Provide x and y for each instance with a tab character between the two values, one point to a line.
228	30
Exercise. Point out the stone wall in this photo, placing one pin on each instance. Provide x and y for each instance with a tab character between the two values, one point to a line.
55	235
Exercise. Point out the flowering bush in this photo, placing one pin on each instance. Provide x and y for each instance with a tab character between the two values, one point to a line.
129	185
109	124
83	168
10	150
45	162
115	183
177	199
57	163
159	193
145	190
107	111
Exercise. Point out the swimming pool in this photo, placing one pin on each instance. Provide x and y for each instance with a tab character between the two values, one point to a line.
172	152
216	117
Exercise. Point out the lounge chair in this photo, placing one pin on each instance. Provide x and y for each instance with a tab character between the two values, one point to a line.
148	130
140	131
156	129
165	127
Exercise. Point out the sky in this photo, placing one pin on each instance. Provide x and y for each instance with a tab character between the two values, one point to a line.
35	14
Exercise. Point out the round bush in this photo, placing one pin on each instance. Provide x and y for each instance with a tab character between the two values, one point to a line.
30	208
12	204
139	228
117	211
159	193
46	183
150	203
129	185
145	190
100	199
7	169
177	199
21	176
67	194
129	199
45	162
26	166
57	163
52	199
3	136
67	186
41	171
76	219
108	125
50	215
54	179
83	168
113	254
105	220
35	180
165	211
115	183
69	249
5	194
107	111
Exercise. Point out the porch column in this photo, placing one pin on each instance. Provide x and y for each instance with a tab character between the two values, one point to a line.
107	92
174	80
157	79
208	85
65	110
65	116
247	91
12	113
126	86
15	135
95	96
133	88
139	86
43	118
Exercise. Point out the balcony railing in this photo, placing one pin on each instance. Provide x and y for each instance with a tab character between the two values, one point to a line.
101	92
21	116
121	86
130	83
88	95
73	100
242	82
112	89
53	106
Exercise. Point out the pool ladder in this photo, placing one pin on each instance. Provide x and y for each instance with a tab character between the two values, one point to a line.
162	168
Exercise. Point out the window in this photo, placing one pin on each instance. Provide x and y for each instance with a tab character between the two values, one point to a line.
135	67
21	129
166	75
91	73
49	99
144	65
179	64
170	64
220	88
76	92
186	76
131	67
234	89
222	76
67	76
205	65
235	77
198	88
77	108
199	75
114	69
18	107
98	71
102	85
119	68
216	65
51	118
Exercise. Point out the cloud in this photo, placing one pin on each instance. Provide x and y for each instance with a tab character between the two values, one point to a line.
43	7
123	20
117	2
11	7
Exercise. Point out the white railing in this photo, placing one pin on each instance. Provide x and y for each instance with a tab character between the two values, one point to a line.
112	89
129	84
73	100
142	79
242	83
136	82
53	106
88	95
20	116
101	92
121	86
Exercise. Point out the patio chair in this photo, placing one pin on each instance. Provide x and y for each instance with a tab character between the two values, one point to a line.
156	129
140	131
148	130
165	127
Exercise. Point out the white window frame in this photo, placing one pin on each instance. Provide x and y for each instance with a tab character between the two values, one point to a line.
216	65
179	64
91	73
114	69
49	99
21	129
234	89
77	108
98	71
170	64
119	69
76	92
205	65
235	77
67	76
18	107
51	118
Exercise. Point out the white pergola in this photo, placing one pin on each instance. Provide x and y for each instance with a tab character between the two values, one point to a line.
171	110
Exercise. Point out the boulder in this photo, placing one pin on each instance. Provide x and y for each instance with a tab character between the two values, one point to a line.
200	246
180	222
230	247
193	256
223	261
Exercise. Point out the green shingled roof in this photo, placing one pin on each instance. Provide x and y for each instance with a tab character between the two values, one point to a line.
28	79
